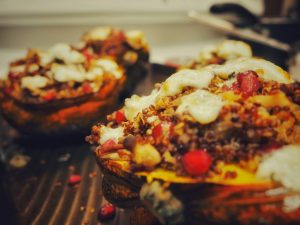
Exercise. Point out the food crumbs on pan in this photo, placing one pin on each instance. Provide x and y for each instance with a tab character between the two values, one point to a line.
71	168
106	212
92	174
58	184
92	210
74	179
19	161
64	157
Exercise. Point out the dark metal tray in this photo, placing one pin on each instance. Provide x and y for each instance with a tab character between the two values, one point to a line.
39	194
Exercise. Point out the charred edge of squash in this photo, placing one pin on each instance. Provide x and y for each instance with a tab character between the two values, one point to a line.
81	116
119	192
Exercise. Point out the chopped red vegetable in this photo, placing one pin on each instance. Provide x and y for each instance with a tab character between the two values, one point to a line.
110	145
74	179
87	55
120	116
197	162
107	212
161	130
50	95
248	83
86	87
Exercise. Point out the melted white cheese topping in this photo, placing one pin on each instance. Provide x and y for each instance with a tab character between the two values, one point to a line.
45	57
228	49
107	133
136	104
186	78
34	82
95	73
65	53
17	69
73	72
109	66
282	165
65	73
265	69
202	105
231	49
136	39
98	33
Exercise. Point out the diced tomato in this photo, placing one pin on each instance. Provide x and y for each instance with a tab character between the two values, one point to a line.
162	130
106	212
8	90
86	87
197	162
110	145
13	75
248	83
50	95
157	132
74	179
87	55
120	116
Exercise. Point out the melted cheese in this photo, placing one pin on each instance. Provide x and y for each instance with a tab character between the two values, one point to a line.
109	66
95	73
186	78
206	53
45	57
33	67
202	105
282	165
98	34
136	104
202	78
65	73
65	53
230	49
107	133
265	69
34	82
136	39
17	69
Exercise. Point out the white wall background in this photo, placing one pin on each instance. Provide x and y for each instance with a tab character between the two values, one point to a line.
41	23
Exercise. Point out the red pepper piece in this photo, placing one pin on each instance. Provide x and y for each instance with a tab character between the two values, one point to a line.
162	130
248	83
157	132
8	90
107	212
74	179
110	145
120	116
87	55
50	95
197	162
86	87
13	75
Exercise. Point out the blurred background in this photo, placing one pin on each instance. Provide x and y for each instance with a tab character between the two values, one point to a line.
171	33
41	23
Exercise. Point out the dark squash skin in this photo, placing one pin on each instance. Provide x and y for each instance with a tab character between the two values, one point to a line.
204	204
62	117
